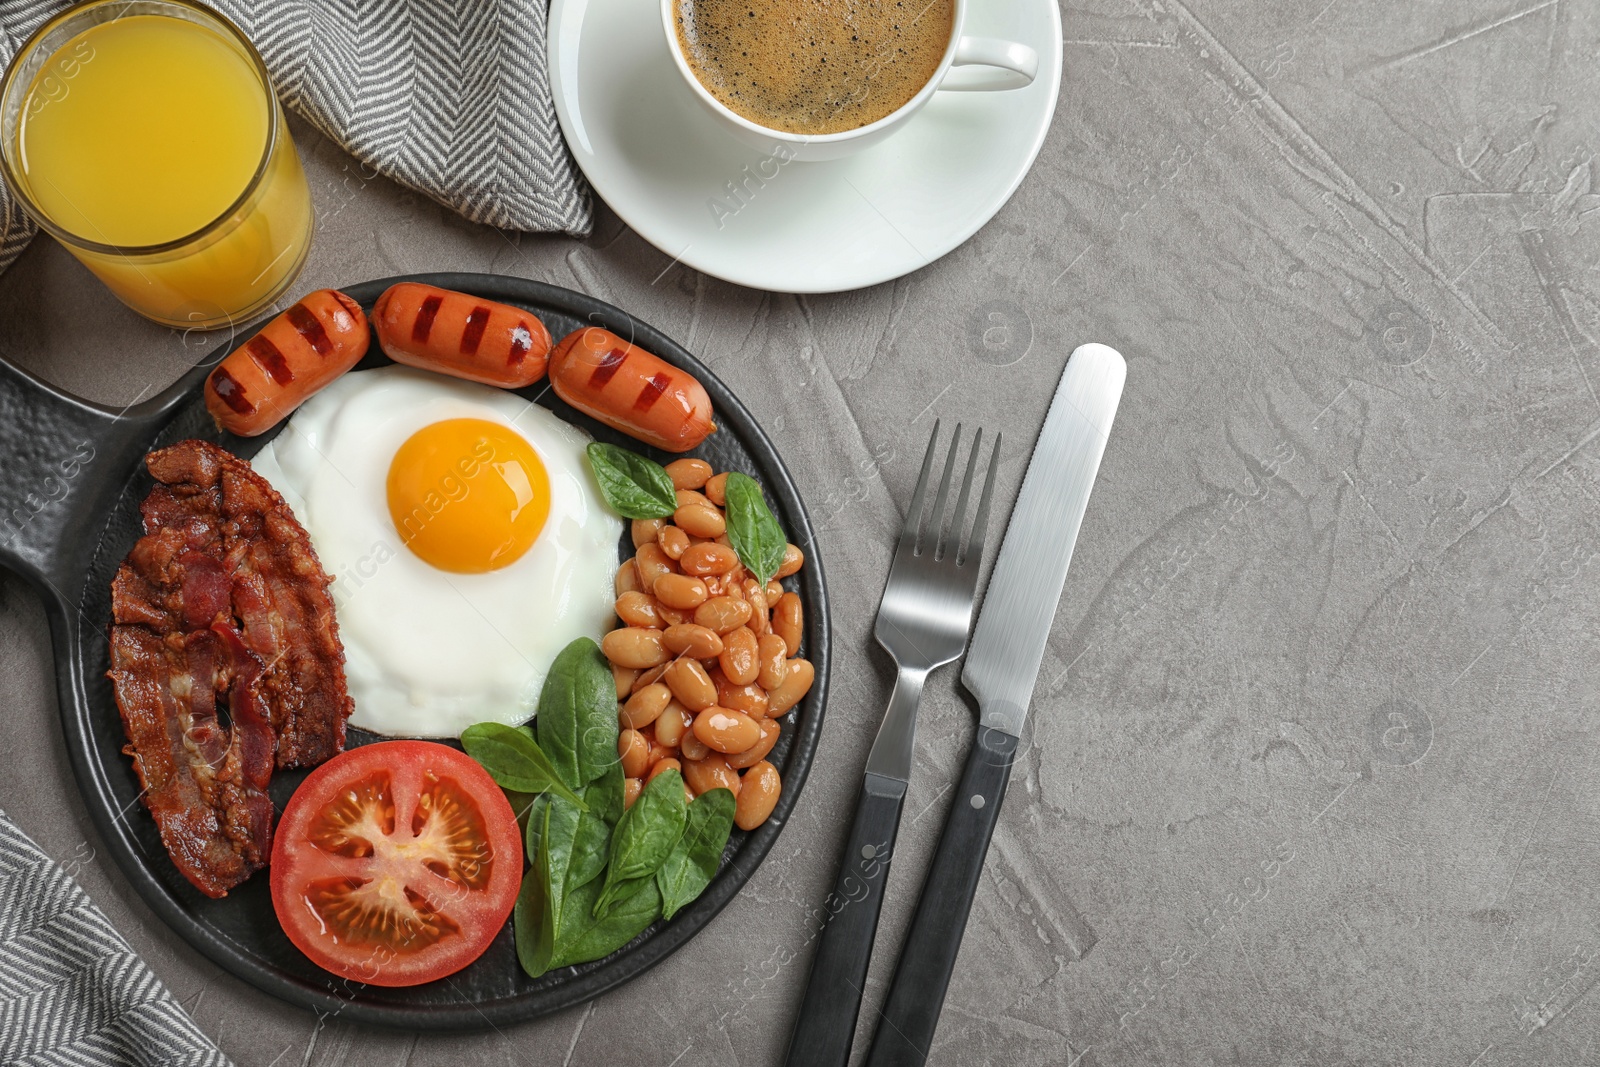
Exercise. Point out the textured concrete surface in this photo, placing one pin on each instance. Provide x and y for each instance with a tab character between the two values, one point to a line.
1315	738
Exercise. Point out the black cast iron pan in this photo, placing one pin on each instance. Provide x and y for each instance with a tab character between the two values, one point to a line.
71	479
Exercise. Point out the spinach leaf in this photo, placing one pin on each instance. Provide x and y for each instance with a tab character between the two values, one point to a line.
514	760
752	530
590	844
604	795
533	917
692	864
577	721
558	893
535	829
572	853
585	938
533	923
598	726
635	487
555	852
644	836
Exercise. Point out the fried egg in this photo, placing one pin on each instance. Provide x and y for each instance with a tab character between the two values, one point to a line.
466	539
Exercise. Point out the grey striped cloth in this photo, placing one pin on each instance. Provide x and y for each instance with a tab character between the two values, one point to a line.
72	991
450	98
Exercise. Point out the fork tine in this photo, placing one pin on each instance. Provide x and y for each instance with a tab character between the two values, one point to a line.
935	529
951	544
981	523
914	512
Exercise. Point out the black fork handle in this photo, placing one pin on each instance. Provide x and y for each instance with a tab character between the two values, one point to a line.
826	1026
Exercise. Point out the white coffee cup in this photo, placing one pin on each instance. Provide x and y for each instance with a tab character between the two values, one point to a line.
969	64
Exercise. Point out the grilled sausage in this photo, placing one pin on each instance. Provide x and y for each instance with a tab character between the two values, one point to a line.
460	335
293	356
631	390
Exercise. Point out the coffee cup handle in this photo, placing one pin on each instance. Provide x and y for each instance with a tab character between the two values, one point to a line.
1004	65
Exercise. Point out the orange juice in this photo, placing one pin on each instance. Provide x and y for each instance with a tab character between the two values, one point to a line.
152	146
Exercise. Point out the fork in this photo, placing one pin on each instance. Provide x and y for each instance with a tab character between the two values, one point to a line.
923	623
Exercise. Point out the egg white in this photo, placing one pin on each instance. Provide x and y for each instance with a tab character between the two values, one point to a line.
430	652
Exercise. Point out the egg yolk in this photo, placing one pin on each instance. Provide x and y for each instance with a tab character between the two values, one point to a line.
468	495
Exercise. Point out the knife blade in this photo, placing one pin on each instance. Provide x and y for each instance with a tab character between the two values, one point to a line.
1002	666
1024	588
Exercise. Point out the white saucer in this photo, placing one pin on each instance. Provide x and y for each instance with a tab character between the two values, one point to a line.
671	174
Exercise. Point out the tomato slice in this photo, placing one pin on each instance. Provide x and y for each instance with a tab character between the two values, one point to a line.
396	863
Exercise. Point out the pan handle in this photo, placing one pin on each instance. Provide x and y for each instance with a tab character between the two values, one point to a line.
62	460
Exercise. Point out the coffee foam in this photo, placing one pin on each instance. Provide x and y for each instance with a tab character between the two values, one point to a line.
814	66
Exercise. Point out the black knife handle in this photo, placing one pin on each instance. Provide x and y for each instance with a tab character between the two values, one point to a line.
911	1012
827	1022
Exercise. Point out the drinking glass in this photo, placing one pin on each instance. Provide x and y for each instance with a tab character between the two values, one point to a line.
221	272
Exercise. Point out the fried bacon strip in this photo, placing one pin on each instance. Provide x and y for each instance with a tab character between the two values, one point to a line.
222	600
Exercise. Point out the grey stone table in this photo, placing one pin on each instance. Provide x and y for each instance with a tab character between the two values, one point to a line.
1312	780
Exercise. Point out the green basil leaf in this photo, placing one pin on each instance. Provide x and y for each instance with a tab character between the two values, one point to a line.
514	760
693	861
585	938
752	530
644	837
635	487
533	923
577	721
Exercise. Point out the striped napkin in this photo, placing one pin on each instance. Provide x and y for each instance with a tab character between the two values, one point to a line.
449	98
72	991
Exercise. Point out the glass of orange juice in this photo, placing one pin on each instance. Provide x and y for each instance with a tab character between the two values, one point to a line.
145	136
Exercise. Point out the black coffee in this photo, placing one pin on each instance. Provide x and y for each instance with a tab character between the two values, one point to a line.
814	66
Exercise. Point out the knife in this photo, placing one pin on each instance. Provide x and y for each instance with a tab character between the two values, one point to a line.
1001	667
